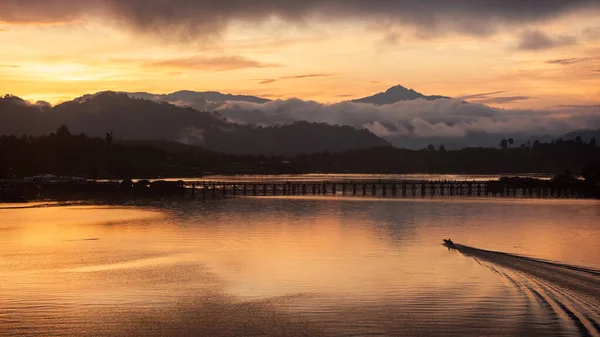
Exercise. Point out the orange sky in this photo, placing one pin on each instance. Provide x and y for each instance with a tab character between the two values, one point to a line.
321	60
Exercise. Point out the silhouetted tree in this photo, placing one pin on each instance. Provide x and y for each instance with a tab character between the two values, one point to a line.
109	139
578	140
430	148
591	173
63	131
593	142
70	154
511	141
504	144
442	148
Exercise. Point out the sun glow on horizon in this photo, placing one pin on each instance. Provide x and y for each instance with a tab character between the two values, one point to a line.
323	61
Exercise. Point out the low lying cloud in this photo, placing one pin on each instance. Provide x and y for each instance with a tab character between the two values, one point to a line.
196	18
537	40
191	135
445	118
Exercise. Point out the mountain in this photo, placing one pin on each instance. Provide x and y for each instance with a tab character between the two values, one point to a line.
141	119
585	135
396	94
196	96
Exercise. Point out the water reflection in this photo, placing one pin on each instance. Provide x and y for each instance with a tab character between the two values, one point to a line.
277	266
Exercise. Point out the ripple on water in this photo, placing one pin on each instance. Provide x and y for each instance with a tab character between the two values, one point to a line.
302	267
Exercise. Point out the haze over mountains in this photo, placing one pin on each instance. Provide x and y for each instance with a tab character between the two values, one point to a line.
402	116
242	124
141	119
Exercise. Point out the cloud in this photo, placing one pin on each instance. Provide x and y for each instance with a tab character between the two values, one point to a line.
537	40
592	33
202	63
484	98
267	81
503	100
8	66
196	18
272	95
419	119
574	60
481	95
581	106
272	80
191	135
391	38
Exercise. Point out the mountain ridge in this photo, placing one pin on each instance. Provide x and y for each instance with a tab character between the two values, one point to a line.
190	95
141	119
396	94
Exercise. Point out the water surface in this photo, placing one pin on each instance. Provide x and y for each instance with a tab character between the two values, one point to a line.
301	266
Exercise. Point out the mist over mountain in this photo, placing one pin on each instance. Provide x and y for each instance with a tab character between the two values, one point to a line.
396	94
416	123
404	117
141	119
413	122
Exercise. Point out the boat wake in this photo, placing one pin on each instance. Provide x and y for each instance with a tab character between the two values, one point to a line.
565	293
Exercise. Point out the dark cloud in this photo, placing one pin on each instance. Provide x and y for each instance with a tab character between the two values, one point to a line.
538	40
271	80
194	18
574	60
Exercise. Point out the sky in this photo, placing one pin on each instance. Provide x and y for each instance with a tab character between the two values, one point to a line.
537	54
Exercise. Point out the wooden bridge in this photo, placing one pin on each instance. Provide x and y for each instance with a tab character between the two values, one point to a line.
390	188
114	190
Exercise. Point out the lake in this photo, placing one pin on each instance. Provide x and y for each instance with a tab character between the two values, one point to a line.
295	266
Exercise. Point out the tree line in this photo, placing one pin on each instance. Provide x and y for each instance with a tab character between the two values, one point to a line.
63	153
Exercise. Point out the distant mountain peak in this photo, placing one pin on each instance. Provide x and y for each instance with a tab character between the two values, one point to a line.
396	94
399	88
191	97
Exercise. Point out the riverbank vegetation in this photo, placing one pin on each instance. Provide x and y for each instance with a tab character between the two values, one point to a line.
63	153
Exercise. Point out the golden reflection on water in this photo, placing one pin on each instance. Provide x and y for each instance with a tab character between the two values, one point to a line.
320	256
